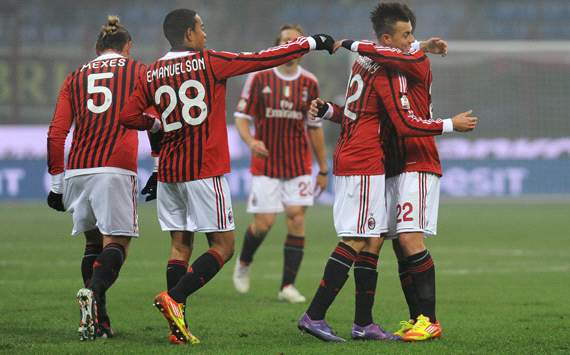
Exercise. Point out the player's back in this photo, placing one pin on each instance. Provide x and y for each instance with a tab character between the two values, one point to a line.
98	90
183	87
408	154
358	150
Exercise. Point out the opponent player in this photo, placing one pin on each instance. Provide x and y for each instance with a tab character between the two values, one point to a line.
99	185
413	170
188	87
372	100
277	101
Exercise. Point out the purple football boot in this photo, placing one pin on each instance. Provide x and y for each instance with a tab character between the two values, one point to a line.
372	332
318	328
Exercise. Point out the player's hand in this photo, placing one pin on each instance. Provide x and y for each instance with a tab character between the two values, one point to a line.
464	122
318	108
150	188
321	184
258	148
55	201
434	45
324	42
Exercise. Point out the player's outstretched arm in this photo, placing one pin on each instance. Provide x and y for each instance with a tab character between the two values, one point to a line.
434	45
414	65
228	64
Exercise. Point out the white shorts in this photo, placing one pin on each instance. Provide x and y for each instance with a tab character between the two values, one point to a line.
359	206
107	201
272	195
413	202
196	206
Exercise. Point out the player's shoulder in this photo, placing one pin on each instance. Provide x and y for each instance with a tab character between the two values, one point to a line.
309	75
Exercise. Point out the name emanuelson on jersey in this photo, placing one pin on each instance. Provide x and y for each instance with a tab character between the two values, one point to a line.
176	69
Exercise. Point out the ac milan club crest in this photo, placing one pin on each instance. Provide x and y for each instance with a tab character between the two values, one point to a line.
371	223
230	217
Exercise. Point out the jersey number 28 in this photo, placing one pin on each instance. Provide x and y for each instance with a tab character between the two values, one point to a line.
187	103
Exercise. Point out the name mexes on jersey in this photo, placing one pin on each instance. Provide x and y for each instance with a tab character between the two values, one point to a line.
105	63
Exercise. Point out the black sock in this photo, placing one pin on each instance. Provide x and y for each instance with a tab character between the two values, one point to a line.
365	279
334	277
292	257
106	271
409	289
250	244
175	269
201	271
90	254
422	269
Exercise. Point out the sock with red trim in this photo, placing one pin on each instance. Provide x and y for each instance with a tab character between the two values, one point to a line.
106	270
175	269
409	289
422	269
334	277
292	256
365	279
251	242
201	271
91	253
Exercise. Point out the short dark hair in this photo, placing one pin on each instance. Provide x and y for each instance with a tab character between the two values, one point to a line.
289	26
113	36
176	23
385	15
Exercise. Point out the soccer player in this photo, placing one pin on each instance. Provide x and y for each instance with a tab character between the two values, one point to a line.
413	170
277	100
375	98
188	87
99	185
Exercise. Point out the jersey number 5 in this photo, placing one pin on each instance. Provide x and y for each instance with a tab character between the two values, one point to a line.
98	89
187	103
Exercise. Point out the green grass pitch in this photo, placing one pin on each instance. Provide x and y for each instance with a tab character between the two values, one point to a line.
502	273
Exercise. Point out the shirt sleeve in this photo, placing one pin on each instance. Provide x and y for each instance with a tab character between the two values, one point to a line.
389	86
249	98
59	129
227	64
415	64
132	115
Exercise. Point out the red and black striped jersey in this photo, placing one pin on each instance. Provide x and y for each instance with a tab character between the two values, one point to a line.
189	90
374	99
278	105
91	99
407	154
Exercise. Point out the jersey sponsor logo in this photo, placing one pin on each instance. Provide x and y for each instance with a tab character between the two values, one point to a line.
175	69
266	90
371	223
279	113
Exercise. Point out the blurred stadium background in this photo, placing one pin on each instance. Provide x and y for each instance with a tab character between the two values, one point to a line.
509	61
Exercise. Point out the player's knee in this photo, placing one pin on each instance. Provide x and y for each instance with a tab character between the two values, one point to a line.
297	221
263	224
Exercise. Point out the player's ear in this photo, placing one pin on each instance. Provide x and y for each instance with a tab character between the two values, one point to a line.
386	39
127	48
189	35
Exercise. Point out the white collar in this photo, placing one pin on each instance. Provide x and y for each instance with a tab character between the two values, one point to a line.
172	55
286	77
110	55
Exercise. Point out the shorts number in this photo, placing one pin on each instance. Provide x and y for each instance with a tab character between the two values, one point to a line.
407	208
354	97
187	104
304	189
98	89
